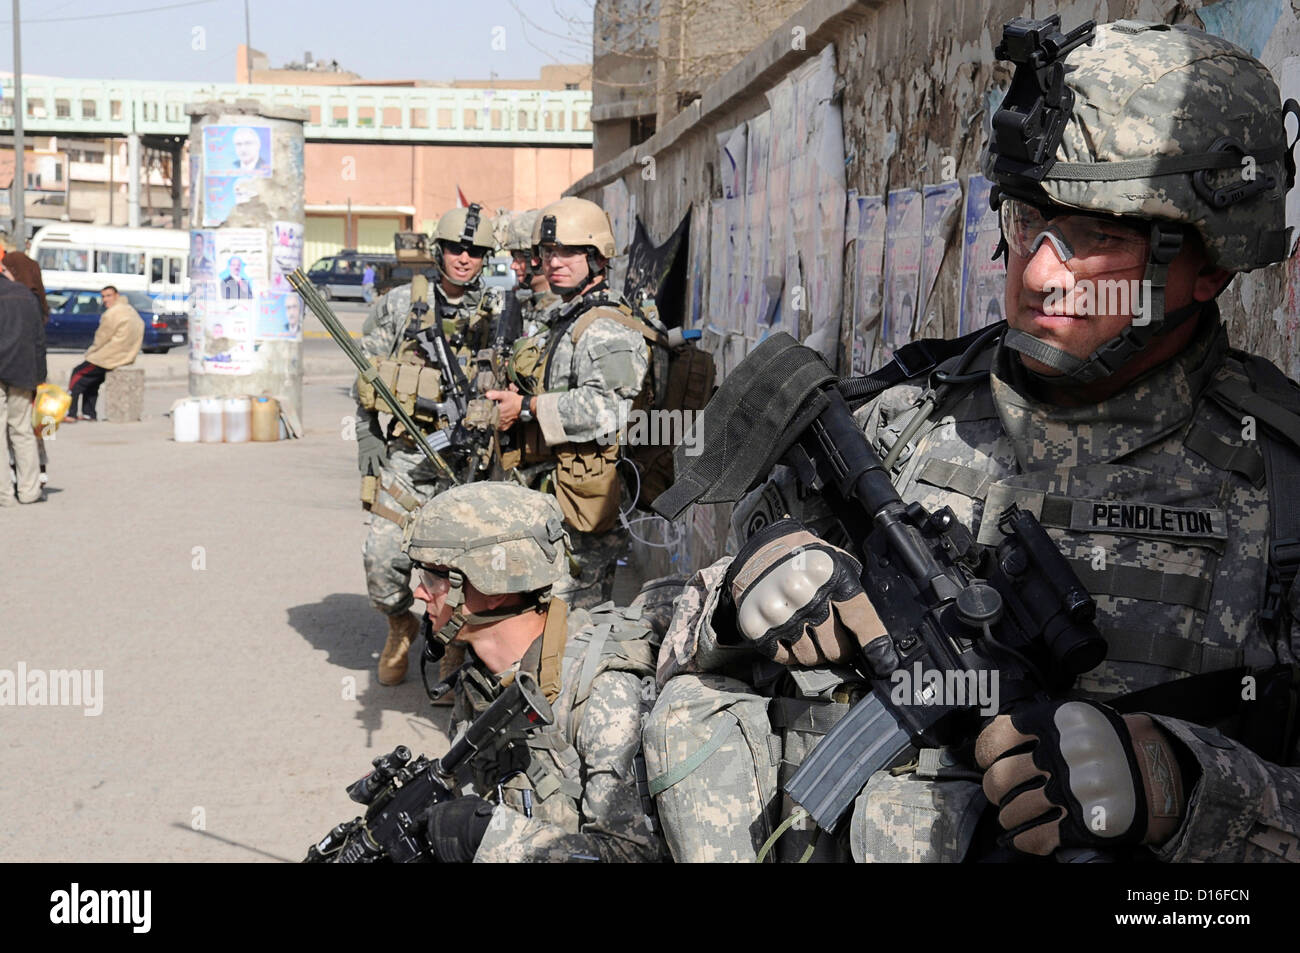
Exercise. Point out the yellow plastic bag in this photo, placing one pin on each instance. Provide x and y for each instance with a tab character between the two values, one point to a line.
49	408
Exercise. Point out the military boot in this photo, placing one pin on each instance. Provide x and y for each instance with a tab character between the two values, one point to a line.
452	659
402	630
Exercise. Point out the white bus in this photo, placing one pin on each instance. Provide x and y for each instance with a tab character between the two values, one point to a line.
88	257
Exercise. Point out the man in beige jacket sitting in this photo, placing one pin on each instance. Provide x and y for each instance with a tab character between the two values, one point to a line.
117	342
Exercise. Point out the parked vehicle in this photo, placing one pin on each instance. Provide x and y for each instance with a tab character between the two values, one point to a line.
339	276
154	261
75	313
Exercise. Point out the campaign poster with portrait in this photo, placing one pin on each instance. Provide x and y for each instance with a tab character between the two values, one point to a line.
202	263
279	316
904	235
243	150
228	337
286	254
241	263
870	268
983	280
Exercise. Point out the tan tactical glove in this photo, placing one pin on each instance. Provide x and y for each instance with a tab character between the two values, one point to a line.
798	599
1078	774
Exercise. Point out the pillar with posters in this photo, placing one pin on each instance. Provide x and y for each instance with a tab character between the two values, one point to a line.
246	235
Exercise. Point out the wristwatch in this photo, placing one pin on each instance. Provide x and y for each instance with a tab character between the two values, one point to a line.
525	414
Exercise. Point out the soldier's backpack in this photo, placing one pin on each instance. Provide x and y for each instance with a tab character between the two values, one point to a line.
678	386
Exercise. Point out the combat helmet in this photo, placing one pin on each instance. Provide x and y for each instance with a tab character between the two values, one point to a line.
469	225
501	537
517	233
1150	121
579	223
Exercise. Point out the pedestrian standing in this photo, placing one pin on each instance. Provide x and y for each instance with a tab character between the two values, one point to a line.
368	283
22	368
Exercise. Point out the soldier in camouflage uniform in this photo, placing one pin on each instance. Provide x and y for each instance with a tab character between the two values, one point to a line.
596	357
569	791
537	300
1157	458
405	478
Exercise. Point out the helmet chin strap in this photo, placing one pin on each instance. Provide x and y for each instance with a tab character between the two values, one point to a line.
1148	322
505	612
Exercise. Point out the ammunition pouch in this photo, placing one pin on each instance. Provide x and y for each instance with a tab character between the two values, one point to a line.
416	386
586	485
369	490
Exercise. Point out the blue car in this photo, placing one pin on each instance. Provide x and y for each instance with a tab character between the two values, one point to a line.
74	316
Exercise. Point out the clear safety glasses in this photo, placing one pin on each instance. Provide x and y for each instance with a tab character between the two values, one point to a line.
1087	244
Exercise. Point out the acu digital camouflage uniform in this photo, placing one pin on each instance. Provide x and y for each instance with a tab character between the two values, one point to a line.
583	387
409	479
1159	496
578	792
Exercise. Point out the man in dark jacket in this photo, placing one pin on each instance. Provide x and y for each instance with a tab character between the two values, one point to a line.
22	368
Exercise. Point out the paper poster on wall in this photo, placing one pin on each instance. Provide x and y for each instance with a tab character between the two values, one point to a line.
982	279
194	187
732	151
699	273
903	242
279	316
718	263
241	262
228	337
942	210
286	254
202	255
203	295
870	256
237	150
218	199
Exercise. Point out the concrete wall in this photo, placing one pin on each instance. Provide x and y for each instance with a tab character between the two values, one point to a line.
915	77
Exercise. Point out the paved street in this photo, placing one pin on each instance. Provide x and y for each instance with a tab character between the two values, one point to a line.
219	589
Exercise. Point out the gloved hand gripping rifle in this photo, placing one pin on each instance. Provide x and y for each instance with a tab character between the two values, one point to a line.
952	607
398	790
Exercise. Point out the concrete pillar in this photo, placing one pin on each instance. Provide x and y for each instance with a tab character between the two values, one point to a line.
133	180
247	203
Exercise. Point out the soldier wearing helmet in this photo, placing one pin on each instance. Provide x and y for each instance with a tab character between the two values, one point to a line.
396	477
1159	460
502	548
535	296
595	359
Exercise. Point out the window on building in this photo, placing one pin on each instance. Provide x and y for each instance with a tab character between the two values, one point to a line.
58	172
570	86
115	109
63	108
174	274
156	266
36	108
89	108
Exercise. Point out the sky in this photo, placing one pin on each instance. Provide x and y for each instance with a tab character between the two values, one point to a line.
379	39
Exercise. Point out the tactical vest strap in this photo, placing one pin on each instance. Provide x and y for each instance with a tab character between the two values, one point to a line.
625	318
1275	401
954	476
806	714
1242	459
1169	651
554	636
1134	582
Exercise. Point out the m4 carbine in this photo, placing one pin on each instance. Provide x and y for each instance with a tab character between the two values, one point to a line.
398	791
1016	612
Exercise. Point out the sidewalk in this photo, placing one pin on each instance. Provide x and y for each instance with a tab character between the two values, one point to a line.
218	591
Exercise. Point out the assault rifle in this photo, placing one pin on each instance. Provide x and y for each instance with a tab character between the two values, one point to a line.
399	789
952	606
429	446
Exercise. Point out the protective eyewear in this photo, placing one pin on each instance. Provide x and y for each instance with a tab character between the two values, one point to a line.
463	248
561	251
1087	244
434	579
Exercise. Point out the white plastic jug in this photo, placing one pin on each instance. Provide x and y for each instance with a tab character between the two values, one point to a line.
210	429
239	419
185	421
